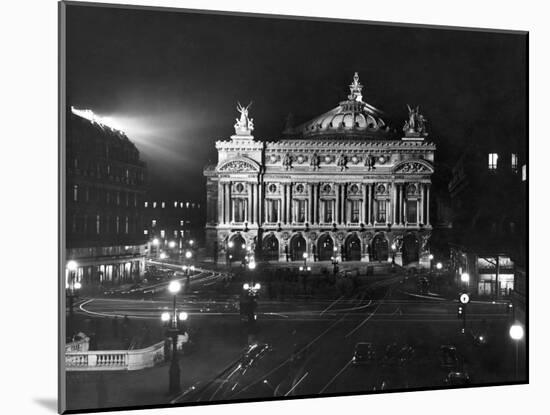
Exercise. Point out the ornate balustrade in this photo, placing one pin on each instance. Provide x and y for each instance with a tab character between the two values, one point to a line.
118	359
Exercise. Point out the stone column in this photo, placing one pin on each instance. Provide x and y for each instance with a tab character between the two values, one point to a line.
422	186
221	196
309	207
400	204
428	204
289	203
256	215
249	203
364	204
283	205
227	207
337	205
370	222
394	203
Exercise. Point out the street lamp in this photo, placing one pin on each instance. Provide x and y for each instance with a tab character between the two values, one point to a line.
393	249
162	255
188	256
72	284
439	266
304	255
516	334
174	374
465	278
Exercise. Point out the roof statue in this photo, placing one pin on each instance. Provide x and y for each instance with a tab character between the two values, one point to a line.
355	89
244	125
415	125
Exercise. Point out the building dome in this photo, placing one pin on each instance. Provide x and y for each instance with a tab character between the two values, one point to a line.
352	118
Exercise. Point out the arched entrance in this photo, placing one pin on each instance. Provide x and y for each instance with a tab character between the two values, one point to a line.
379	248
236	248
353	248
270	248
297	248
325	247
410	249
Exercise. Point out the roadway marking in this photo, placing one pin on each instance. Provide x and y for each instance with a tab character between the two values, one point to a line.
364	321
336	375
330	305
296	384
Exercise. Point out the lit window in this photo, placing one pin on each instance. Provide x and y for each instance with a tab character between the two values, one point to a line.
187	205
328	207
154	204
163	205
412	206
75	193
514	162
524	172
146	204
162	233
355	211
175	204
493	158
145	232
153	223
175	234
97	224
301	211
181	223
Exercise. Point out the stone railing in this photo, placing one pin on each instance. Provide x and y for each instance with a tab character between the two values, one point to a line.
119	359
80	345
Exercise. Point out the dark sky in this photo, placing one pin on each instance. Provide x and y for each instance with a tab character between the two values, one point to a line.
171	81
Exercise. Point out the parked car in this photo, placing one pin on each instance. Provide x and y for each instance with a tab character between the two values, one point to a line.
448	357
457	379
363	353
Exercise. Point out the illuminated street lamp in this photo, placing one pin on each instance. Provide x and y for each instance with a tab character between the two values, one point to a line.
163	255
156	242
188	256
191	242
393	249
172	244
72	285
516	334
465	278
439	266
172	319
304	255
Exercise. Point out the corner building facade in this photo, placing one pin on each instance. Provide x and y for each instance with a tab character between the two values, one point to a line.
342	186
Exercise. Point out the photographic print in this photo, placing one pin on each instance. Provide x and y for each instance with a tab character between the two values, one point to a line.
260	207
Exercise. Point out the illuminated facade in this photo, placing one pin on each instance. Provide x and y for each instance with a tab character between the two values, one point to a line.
105	190
341	185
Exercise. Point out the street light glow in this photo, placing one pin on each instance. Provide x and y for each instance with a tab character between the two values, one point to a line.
165	316
230	244
184	267
191	242
439	265
465	277
301	268
171	244
188	254
257	286
72	265
174	287
77	285
393	247
155	241
183	316
304	255
251	265
431	257
192	268
516	332
243	246
246	286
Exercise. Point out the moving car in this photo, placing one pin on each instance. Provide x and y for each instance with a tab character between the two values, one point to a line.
363	353
448	357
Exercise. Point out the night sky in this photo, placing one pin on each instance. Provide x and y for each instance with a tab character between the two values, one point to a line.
172	80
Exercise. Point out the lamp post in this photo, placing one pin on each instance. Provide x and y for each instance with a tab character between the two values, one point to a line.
304	255
516	334
465	279
188	256
72	285
174	374
393	249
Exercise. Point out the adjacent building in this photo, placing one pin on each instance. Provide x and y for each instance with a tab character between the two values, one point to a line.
105	187
173	226
489	229
342	186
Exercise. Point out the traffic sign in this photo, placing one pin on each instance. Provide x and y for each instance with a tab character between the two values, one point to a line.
464	298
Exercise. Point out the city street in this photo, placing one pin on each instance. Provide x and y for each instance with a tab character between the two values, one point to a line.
305	346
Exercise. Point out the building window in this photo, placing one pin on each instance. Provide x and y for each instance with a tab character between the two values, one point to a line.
514	162
411	211
493	159
118	224
163	205
175	234
175	204
75	193
328	206
381	211
162	234
272	210
154	205
181	205
239	209
187	205
145	232
524	172
97	224
181	223
301	211
126	224
146	204
118	198
154	223
355	211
